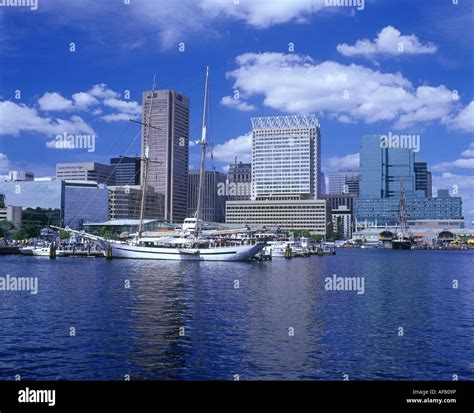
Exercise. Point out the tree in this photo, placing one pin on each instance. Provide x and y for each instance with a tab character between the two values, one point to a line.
5	228
63	234
26	231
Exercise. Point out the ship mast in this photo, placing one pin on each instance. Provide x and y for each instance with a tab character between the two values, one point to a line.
145	159
402	210
203	156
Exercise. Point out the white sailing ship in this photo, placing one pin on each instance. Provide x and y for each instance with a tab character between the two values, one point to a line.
189	244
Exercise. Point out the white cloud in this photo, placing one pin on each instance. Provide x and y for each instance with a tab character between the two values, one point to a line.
118	117
123	106
466	162
233	103
458	163
293	83
469	152
240	147
54	102
102	91
168	22
19	118
350	161
464	120
263	13
83	100
389	41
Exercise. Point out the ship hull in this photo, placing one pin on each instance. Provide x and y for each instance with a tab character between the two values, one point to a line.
402	245
238	253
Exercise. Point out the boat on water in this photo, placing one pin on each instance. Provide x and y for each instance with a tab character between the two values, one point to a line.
191	243
41	251
403	239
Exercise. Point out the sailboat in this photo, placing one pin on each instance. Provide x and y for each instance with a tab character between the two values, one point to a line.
403	239
191	243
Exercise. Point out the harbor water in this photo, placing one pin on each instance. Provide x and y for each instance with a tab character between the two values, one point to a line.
93	319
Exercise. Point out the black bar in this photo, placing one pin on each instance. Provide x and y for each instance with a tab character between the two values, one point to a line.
244	395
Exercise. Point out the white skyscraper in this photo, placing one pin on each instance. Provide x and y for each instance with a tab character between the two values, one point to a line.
286	158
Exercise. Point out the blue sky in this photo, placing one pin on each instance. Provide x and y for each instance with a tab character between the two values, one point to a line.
399	66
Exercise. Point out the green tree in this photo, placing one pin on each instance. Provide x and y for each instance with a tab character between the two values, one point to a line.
5	228
63	234
26	231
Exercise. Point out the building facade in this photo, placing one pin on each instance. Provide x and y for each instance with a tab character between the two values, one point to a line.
167	140
65	203
127	170
239	181
286	157
86	171
125	203
311	215
383	170
384	211
345	181
213	195
422	178
13	214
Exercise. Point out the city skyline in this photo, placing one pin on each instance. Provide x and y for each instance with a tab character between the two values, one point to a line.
436	104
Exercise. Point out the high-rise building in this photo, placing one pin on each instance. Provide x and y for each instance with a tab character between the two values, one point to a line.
421	177
125	203
344	181
286	157
383	169
213	195
127	170
429	185
322	179
239	181
167	114
86	171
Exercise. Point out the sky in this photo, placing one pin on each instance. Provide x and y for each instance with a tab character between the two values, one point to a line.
79	67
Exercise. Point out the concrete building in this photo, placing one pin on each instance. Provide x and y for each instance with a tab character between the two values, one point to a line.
21	176
345	181
11	213
311	215
239	181
286	157
213	195
342	222
125	203
86	171
127	170
167	112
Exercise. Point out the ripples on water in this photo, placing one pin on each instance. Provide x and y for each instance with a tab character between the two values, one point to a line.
241	331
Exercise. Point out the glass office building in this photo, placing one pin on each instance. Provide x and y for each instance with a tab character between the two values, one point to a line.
127	170
67	203
383	171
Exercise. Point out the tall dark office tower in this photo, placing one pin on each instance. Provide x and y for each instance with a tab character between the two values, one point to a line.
213	202
168	142
421	177
127	170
